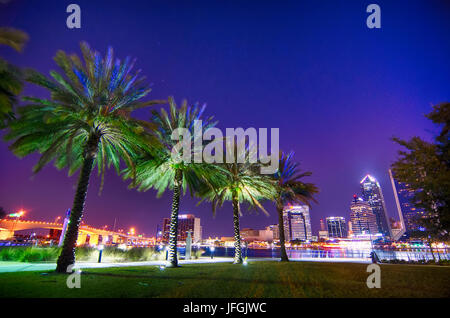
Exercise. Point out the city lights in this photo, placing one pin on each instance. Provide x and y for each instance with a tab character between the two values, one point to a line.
202	138
18	214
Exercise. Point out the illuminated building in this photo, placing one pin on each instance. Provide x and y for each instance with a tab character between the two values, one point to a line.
372	194
186	222
297	223
336	227
323	235
275	230
249	234
267	234
362	218
407	211
350	228
322	225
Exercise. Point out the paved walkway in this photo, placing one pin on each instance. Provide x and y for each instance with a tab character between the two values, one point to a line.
8	267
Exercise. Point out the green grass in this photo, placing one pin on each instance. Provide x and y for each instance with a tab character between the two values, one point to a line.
258	279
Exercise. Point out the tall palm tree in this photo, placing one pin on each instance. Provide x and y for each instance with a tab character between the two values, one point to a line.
86	123
10	76
241	183
290	190
160	170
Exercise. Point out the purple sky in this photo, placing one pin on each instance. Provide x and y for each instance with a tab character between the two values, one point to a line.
337	90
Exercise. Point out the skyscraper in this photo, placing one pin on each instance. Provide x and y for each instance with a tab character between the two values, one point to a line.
336	226
362	217
186	222
322	225
372	194
276	233
407	211
297	223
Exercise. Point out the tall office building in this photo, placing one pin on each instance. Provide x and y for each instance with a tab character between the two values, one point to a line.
275	229
322	225
297	223
362	217
407	211
248	234
372	194
186	222
336	227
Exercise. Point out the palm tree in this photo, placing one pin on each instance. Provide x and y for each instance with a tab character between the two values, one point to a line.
13	38
160	170
242	182
10	76
86	123
2	213
290	190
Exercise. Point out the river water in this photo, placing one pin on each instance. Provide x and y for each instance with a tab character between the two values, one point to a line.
407	255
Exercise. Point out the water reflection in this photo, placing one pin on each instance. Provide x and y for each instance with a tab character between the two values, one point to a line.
411	255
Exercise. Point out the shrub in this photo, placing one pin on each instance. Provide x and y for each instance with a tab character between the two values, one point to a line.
85	253
198	253
29	254
82	253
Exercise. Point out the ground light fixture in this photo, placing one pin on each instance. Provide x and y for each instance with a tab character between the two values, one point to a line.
212	249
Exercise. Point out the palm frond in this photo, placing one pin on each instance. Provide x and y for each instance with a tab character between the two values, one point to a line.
94	95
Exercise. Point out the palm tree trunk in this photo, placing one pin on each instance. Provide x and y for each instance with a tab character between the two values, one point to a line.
431	249
67	256
237	234
173	234
284	257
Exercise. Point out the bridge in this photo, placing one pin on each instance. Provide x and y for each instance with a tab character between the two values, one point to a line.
96	236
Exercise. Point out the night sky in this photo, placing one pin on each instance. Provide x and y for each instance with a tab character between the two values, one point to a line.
337	90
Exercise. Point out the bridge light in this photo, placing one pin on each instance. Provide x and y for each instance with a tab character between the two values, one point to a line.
18	214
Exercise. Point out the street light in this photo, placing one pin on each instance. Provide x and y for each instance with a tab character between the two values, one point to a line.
212	249
16	215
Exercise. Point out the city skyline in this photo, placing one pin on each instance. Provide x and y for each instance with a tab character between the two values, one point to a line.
315	229
373	78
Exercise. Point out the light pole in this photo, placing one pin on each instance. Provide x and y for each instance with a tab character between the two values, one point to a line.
212	249
100	252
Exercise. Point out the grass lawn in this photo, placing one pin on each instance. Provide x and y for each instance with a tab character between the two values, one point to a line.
258	279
